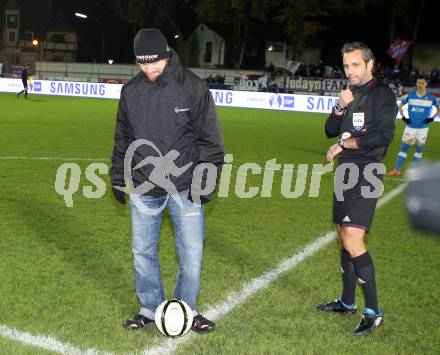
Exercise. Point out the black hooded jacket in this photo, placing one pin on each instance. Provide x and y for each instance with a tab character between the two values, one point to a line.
369	119
176	112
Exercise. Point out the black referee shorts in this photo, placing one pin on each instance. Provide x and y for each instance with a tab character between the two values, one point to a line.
356	210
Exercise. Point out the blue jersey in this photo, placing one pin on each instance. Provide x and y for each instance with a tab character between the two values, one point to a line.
419	108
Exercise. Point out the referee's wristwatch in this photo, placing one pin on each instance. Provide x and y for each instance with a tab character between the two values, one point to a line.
339	108
342	139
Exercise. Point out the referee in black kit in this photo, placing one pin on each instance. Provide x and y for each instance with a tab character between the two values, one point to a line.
24	79
363	118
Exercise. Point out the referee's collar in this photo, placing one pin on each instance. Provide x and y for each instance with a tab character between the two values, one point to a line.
368	85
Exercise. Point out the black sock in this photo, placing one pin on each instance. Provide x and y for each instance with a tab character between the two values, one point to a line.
25	94
364	268
348	279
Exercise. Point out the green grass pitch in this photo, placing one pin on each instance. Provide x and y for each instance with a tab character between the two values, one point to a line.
67	272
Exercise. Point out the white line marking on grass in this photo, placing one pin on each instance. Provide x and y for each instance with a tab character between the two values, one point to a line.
234	299
44	342
390	195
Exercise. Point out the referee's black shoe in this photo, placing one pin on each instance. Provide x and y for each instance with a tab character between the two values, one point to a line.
336	306
369	323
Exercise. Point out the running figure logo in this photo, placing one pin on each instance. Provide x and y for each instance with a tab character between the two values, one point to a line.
163	168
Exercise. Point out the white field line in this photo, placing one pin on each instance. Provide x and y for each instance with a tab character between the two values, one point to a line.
234	299
397	179
44	342
390	195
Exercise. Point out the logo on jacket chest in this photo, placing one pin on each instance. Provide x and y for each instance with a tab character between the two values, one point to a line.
178	109
358	120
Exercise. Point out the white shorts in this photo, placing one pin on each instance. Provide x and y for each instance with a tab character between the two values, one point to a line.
416	135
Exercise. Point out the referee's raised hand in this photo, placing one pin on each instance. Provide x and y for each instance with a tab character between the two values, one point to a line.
345	97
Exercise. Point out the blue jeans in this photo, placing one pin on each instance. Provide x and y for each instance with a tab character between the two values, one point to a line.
189	231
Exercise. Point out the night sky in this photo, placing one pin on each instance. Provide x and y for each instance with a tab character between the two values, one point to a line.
370	27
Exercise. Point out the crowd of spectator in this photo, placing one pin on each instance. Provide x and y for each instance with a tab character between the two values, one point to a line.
218	79
405	76
396	77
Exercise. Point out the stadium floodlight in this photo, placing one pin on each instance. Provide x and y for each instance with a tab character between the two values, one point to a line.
84	16
78	14
36	45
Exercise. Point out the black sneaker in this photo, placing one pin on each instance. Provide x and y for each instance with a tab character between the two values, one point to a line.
368	324
137	322
336	306
202	325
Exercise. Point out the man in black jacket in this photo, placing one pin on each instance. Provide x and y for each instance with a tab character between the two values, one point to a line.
167	137
364	119
24	80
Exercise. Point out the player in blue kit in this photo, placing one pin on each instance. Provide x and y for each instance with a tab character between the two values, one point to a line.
420	104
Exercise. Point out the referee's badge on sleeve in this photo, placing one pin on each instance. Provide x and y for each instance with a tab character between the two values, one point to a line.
358	120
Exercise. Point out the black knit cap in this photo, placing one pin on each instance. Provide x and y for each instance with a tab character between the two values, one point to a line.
150	45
